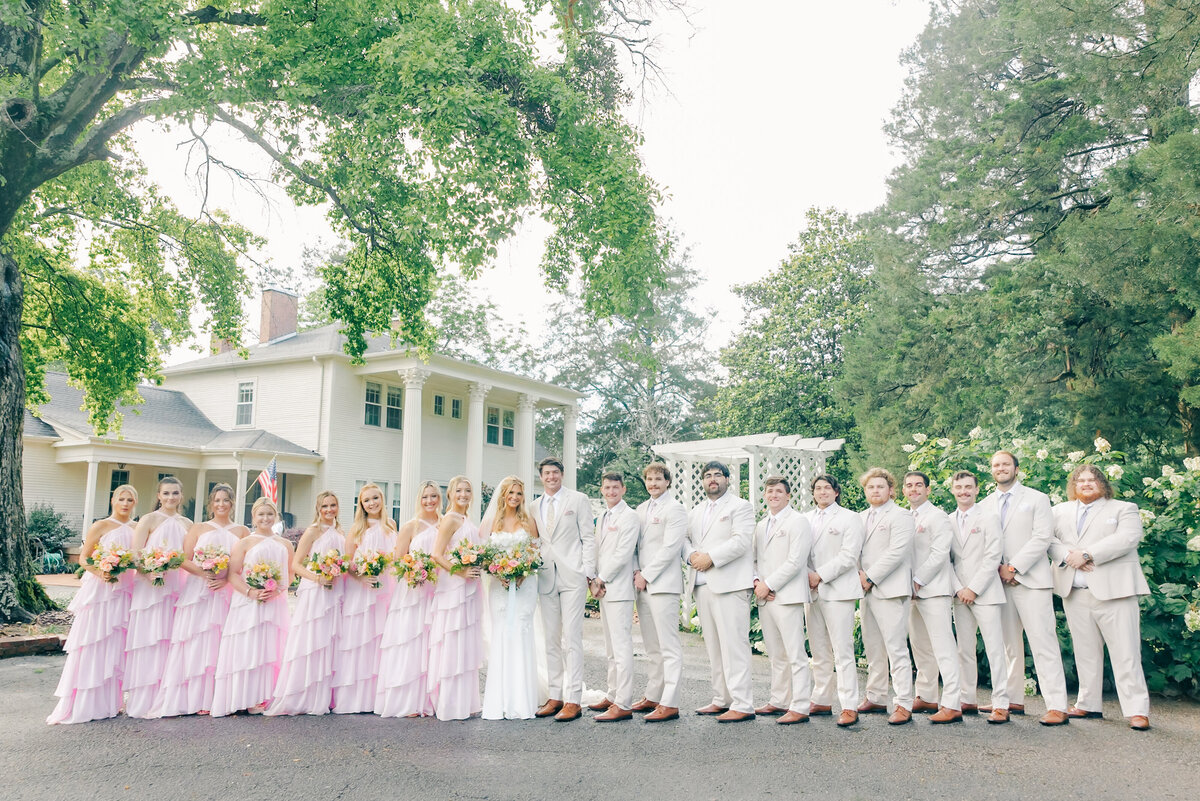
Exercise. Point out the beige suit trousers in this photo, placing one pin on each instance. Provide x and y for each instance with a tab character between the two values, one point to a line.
725	618
783	634
616	618
989	621
658	616
1117	624
1031	611
885	640
562	618
831	640
931	635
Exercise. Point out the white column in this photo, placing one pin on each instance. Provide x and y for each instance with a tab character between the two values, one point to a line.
570	452
410	468
239	514
525	439
735	476
201	493
89	497
476	394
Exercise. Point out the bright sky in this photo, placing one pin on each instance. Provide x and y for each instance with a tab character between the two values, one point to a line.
769	108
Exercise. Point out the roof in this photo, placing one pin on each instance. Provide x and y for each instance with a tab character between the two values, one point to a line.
324	341
166	417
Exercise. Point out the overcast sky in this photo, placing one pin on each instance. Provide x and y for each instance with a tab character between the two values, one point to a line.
768	108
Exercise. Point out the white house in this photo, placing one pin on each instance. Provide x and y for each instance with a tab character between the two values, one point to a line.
395	420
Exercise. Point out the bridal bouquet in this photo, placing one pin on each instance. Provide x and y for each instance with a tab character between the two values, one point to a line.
155	562
417	568
370	563
212	559
263	576
329	564
465	555
111	560
511	556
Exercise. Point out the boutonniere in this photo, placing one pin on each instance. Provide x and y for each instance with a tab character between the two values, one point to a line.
974	530
656	520
723	519
569	513
920	528
832	531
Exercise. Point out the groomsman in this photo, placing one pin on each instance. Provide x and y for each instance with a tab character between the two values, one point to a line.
782	541
1027	526
979	595
564	519
616	537
833	579
721	555
930	631
886	579
1098	575
658	582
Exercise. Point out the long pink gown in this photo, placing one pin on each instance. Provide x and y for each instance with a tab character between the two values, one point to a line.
364	610
151	617
305	685
191	668
456	639
90	686
402	689
252	640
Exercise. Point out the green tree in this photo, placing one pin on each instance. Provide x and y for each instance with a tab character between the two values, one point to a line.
427	128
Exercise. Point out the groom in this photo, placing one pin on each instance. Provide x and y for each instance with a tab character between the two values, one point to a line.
564	520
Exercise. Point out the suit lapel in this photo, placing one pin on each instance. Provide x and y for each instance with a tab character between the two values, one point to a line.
1093	513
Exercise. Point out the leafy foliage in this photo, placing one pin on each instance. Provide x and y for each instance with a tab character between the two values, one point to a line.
49	527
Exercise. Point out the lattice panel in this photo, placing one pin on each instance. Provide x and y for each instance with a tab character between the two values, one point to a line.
689	490
798	467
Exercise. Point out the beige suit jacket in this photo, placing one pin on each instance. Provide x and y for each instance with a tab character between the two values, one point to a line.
1111	533
569	551
781	560
728	540
887	551
933	536
837	546
976	555
1027	533
659	552
616	537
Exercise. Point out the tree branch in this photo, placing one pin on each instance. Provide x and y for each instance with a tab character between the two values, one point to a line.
211	14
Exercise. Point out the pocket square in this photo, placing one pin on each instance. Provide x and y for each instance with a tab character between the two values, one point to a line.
1111	520
656	520
569	513
724	519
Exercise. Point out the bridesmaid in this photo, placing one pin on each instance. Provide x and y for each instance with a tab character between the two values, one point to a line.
404	651
252	641
305	684
190	672
455	634
90	686
152	610
364	607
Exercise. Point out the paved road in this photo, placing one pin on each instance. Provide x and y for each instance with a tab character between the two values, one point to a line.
362	757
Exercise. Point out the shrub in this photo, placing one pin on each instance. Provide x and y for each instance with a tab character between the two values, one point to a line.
49	527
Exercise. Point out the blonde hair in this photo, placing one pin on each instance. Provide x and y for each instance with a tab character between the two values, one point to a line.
360	514
212	493
261	502
452	485
132	490
421	491
502	493
878	472
321	496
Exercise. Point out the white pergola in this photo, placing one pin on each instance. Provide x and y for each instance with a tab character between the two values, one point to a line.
796	458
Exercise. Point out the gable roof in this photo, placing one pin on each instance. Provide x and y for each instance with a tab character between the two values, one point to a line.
324	341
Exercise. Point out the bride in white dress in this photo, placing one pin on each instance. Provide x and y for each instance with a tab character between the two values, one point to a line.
511	691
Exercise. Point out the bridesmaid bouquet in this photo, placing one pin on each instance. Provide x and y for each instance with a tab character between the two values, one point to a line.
370	563
263	576
111	560
513	561
417	568
464	556
212	559
329	564
155	562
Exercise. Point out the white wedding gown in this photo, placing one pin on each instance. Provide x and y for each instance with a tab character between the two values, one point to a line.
511	691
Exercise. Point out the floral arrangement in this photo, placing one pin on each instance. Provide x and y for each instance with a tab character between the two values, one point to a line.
369	562
155	562
263	576
464	556
329	564
511	557
212	559
417	568
111	560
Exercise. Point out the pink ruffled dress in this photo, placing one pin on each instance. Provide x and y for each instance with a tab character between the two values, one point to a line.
252	641
404	651
190	673
90	686
305	685
151	618
456	639
364	610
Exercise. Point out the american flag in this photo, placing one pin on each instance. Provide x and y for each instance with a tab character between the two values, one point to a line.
266	480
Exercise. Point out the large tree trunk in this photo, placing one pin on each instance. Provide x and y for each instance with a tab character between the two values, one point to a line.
20	594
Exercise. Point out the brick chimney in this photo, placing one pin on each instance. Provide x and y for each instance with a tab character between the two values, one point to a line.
278	314
218	346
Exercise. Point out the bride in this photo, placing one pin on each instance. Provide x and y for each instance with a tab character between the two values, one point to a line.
511	691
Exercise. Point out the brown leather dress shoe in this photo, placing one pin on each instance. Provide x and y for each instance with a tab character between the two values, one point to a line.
848	717
1013	709
1139	723
662	713
1076	712
712	709
923	706
645	705
769	710
568	712
970	709
600	706
614	713
946	715
549	708
998	716
900	717
791	717
872	708
734	717
816	710
1055	717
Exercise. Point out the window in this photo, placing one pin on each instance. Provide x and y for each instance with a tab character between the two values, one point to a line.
383	489
439	405
372	408
456	408
395	408
161	476
501	426
396	511
245	404
119	477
